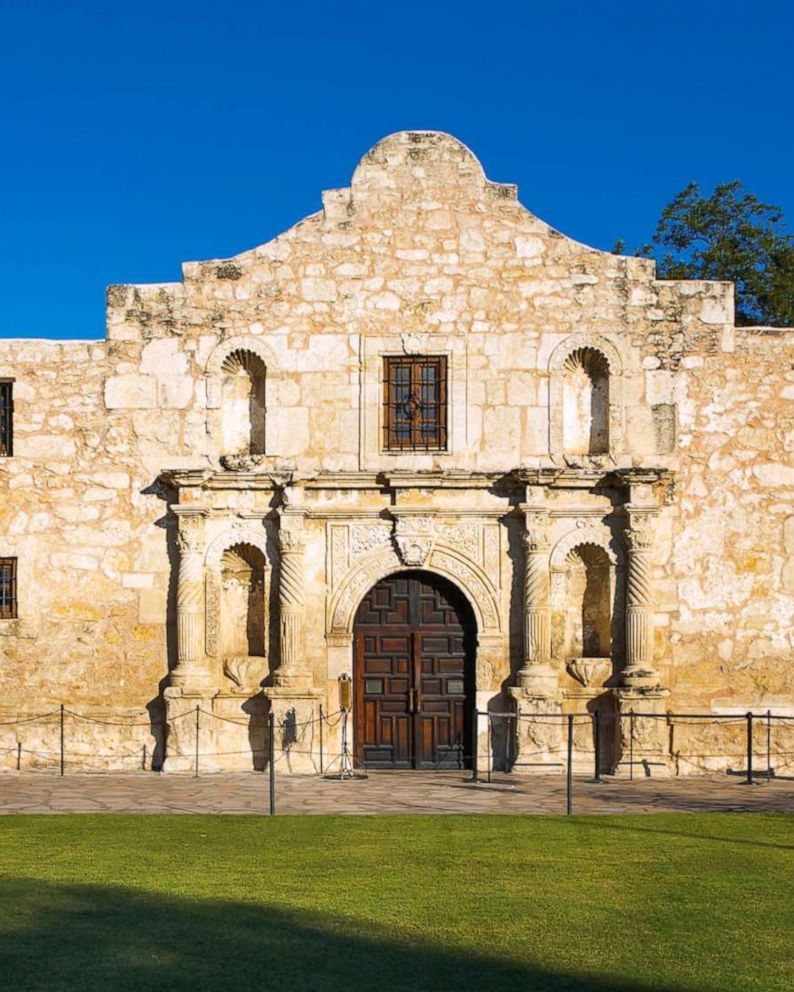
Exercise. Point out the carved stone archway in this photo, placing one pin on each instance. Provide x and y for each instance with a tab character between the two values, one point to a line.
384	561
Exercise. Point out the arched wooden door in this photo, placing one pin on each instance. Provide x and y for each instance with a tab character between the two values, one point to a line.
414	674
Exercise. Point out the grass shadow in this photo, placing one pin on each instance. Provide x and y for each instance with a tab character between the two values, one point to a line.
89	937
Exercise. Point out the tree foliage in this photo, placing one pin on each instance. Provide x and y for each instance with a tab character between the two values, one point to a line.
730	235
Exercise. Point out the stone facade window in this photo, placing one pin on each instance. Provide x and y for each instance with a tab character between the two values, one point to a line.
6	417
8	588
415	403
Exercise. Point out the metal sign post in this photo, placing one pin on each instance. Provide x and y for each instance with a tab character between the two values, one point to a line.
347	769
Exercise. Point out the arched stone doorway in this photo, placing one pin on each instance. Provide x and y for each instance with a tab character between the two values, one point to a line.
414	674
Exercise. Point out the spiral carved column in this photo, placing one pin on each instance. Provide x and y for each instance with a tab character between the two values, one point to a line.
291	607
639	669
536	672
190	672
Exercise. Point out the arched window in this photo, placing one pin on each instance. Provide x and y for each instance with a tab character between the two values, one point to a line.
243	403
585	412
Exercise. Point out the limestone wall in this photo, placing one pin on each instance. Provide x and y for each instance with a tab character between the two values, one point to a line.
421	255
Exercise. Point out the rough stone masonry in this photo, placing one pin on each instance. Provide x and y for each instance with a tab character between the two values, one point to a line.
419	402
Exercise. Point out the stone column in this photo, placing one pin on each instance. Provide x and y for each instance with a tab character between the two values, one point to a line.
639	670
191	673
291	699
536	672
291	607
538	730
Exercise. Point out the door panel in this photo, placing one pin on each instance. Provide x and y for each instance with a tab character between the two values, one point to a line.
414	674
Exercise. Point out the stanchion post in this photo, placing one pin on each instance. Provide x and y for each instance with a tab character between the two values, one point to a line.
631	745
569	773
271	736
321	739
475	745
489	745
597	745
769	745
750	776
19	755
62	740
196	759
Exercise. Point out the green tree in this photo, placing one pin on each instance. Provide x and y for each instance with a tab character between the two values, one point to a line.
729	235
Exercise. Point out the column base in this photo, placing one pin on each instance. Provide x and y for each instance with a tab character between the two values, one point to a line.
297	729
644	739
538	739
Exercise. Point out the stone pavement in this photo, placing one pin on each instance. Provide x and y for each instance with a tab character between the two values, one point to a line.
382	792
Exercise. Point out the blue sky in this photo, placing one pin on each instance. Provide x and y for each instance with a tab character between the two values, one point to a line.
136	136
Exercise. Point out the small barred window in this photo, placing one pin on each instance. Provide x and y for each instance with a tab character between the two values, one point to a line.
8	588
415	403
6	417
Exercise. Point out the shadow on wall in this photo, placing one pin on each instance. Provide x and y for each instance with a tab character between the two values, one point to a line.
94	938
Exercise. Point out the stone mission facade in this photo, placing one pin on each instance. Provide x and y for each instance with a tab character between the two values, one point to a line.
421	398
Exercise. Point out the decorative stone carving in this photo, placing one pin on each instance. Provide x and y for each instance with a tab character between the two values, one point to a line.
291	543
536	673
377	564
212	610
464	537
589	671
365	537
414	537
491	552
244	463
589	534
190	671
246	672
639	669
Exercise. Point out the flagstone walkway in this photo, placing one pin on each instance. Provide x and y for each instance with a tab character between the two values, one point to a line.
382	793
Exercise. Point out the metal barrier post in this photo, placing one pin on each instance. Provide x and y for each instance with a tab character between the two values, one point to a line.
750	778
569	789
489	745
321	739
769	745
597	745
19	755
196	759
62	755
475	745
271	735
631	745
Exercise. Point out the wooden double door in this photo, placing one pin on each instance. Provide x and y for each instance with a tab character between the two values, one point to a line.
414	674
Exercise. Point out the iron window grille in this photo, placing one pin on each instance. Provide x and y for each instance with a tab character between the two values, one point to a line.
415	403
8	588
6	417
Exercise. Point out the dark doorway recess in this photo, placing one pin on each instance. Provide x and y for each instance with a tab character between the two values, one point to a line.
413	669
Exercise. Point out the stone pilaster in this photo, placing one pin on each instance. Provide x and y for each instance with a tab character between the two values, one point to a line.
639	670
292	671
291	606
538	727
536	673
191	673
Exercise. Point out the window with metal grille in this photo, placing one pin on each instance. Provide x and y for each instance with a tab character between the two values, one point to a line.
8	588
415	403
6	412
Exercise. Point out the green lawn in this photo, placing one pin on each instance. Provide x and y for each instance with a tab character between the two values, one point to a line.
608	904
